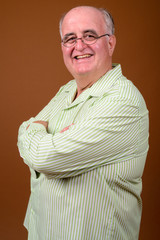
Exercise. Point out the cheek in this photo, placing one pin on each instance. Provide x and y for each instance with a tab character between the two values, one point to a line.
101	49
67	58
66	54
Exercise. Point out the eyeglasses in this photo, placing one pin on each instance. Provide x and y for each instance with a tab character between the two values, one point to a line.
87	38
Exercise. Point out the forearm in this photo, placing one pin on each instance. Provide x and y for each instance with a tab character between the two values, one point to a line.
95	139
77	150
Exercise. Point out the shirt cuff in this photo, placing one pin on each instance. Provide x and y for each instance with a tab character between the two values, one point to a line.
36	127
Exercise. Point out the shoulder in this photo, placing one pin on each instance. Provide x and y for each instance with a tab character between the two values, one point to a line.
64	89
122	98
128	92
68	86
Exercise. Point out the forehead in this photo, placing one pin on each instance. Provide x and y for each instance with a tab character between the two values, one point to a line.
82	18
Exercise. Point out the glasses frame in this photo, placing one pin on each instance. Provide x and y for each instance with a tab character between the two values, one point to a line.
83	40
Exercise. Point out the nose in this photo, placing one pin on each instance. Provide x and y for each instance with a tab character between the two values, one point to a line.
80	45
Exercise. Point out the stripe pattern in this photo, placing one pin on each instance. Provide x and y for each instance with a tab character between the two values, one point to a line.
86	181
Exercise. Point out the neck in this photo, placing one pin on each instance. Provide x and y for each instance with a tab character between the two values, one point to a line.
86	81
82	87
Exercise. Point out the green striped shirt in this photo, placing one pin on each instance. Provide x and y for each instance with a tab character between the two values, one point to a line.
86	181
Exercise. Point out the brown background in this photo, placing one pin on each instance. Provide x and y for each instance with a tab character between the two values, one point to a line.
32	70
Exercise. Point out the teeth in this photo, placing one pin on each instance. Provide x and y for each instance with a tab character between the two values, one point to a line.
84	56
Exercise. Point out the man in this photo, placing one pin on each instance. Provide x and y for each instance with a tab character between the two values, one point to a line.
87	148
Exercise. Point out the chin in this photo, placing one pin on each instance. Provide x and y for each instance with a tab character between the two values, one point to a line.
83	71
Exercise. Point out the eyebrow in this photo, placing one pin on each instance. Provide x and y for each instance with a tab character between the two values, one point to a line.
90	31
85	31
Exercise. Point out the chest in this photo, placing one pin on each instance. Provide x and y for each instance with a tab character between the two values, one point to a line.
65	113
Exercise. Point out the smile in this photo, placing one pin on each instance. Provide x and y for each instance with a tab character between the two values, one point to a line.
83	56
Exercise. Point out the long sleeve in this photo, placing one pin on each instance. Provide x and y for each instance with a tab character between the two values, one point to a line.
111	132
90	175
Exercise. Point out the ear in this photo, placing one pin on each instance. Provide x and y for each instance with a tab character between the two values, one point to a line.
112	44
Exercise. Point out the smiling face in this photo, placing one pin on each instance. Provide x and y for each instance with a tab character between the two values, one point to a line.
87	61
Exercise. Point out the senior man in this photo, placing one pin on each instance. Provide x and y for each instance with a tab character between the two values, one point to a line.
86	149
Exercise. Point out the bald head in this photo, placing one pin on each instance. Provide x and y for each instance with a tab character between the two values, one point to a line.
108	20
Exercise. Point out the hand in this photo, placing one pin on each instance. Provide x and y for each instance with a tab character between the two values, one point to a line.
44	123
66	128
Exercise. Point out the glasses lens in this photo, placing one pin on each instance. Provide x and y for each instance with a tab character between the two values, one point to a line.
69	41
89	38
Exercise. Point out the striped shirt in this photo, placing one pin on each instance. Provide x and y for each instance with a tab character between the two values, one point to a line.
86	181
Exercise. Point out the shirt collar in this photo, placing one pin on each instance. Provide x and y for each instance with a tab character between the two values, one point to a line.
106	81
97	89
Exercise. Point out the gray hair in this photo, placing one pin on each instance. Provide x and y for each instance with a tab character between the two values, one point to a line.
107	17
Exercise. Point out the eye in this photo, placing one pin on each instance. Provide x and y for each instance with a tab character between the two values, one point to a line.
69	40
89	37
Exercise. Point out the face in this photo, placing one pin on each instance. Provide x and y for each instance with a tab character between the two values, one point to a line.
84	60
